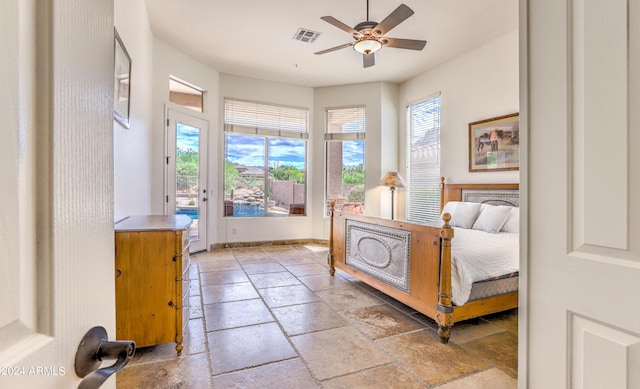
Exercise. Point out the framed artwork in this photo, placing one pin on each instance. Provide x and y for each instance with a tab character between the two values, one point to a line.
494	144
122	82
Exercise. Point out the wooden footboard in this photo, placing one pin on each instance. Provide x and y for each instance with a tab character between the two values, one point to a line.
425	293
364	246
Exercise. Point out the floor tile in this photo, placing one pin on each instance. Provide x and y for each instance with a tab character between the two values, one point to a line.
347	298
304	318
383	377
262	267
195	307
194	337
270	280
466	331
308	269
239	348
291	374
323	281
338	351
507	320
380	321
293	260
434	362
157	353
229	292
188	372
490	379
287	295
500	349
194	287
236	314
223	277
217	265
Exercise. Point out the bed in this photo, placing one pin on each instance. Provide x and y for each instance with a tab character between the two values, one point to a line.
424	265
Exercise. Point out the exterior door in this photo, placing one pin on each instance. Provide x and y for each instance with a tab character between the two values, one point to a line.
187	172
582	180
56	202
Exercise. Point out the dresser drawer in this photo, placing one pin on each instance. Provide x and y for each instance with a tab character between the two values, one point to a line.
185	239
186	287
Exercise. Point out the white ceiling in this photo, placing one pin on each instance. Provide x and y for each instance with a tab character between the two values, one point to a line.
254	38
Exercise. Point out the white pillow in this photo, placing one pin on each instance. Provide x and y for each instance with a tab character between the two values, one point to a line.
465	214
492	218
513	221
449	208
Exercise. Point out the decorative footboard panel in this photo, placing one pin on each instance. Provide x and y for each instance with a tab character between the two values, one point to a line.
398	258
381	252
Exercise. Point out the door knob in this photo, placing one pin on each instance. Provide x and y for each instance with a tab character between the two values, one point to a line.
93	349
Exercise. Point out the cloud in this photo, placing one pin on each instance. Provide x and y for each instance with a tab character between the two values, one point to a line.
352	152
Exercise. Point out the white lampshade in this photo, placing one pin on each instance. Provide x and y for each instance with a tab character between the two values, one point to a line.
367	45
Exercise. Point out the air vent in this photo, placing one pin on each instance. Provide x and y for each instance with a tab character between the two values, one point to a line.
307	36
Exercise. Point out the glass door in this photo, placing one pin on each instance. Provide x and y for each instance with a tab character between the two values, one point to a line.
186	173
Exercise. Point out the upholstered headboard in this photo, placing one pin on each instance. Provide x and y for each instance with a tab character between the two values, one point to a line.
496	194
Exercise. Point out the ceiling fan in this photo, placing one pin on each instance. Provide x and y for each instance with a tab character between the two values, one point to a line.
369	37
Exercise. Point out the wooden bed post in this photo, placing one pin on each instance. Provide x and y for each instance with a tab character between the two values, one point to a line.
444	308
332	269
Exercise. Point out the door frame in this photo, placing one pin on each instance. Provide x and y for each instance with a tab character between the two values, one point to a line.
523	280
204	147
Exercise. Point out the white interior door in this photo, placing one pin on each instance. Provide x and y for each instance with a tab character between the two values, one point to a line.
583	188
186	177
56	212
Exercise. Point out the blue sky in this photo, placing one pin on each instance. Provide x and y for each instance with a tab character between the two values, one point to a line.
249	150
187	137
352	152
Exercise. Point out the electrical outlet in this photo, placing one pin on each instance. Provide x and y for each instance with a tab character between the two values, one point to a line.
233	231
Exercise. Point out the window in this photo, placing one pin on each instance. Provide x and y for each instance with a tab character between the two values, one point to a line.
423	160
265	159
344	145
181	93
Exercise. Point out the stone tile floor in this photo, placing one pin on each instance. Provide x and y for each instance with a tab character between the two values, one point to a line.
272	317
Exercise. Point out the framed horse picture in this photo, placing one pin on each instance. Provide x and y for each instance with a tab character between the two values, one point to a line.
122	82
494	144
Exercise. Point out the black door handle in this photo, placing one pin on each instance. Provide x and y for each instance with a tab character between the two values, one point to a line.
93	349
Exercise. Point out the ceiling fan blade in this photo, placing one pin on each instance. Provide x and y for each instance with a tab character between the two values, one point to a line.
403	43
396	17
368	60
335	48
340	25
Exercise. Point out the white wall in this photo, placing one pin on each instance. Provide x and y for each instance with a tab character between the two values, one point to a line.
381	149
257	229
480	84
133	167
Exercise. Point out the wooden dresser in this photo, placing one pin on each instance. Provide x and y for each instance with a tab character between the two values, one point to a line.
152	279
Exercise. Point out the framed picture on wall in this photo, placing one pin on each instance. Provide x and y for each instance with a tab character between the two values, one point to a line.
122	82
494	144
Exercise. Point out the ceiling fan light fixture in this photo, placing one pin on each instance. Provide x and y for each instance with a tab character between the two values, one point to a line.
367	45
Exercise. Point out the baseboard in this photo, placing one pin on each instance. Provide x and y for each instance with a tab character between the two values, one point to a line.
232	245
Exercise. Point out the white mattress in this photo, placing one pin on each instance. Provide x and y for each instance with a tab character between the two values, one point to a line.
477	256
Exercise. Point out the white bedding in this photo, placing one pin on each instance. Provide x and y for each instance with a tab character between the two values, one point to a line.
478	255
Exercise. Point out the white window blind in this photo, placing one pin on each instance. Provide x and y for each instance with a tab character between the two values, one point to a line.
264	119
345	124
423	165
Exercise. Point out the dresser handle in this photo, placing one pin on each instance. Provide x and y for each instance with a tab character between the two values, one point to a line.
118	273
171	303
